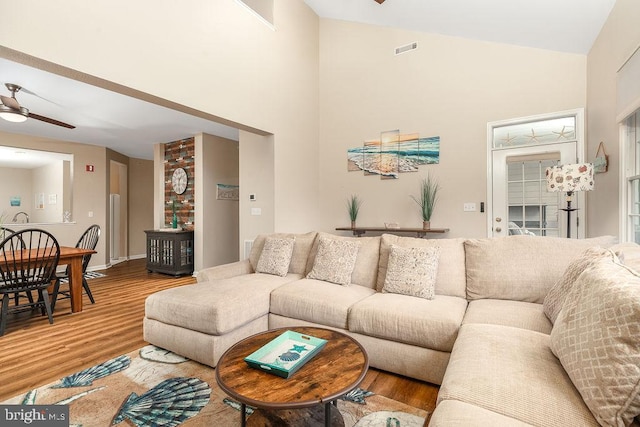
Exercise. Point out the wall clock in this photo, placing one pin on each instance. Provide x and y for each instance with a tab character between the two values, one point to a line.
179	180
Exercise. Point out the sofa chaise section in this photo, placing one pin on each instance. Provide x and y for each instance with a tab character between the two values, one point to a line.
230	302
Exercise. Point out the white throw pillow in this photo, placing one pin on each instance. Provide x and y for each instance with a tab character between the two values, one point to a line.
276	256
557	295
596	337
334	261
412	271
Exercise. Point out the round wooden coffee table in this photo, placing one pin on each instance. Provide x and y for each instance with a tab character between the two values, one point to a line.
336	370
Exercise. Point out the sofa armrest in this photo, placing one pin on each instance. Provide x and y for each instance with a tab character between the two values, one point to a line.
224	271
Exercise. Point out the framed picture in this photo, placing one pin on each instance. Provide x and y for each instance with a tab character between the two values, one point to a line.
39	201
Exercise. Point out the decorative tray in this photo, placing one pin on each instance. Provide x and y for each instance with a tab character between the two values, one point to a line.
285	354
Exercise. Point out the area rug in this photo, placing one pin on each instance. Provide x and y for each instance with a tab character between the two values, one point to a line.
88	275
155	387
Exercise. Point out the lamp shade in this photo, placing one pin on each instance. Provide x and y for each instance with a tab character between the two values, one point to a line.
567	178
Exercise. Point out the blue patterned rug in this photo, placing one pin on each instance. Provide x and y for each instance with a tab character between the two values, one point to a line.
153	386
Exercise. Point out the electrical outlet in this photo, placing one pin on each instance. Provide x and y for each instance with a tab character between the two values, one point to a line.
256	211
469	207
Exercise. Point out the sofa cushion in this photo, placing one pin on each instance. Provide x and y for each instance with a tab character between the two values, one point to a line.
301	249
453	413
513	372
597	339
217	307
426	323
317	301
365	270
518	314
558	293
276	256
628	253
451	279
521	268
334	261
412	271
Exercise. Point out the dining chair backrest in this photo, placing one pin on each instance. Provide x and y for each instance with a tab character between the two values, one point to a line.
28	260
6	232
88	240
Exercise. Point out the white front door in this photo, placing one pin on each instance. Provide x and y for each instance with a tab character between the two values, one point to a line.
520	152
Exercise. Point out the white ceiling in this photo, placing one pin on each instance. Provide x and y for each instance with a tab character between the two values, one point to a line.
562	25
131	126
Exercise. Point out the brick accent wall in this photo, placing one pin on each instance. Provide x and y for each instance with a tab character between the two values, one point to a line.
179	154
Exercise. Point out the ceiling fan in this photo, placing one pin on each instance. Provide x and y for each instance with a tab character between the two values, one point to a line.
379	1
12	111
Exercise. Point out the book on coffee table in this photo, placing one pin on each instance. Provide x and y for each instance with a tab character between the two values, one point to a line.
284	355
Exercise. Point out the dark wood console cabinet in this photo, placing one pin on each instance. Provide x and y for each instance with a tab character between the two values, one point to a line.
170	252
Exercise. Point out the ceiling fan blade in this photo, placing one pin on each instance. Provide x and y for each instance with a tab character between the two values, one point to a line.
379	1
51	121
10	102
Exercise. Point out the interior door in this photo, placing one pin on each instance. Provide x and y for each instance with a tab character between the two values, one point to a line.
521	203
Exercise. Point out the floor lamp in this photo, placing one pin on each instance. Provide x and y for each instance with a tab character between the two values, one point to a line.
569	179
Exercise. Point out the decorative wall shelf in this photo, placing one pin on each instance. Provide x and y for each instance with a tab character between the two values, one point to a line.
420	232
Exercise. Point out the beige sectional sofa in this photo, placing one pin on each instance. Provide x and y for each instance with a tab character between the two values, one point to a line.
483	335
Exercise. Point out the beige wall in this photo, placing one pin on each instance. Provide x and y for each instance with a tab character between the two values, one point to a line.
140	205
15	182
257	177
89	189
448	87
217	221
619	38
214	56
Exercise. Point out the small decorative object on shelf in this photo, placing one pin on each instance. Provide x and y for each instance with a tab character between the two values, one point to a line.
285	354
427	200
353	207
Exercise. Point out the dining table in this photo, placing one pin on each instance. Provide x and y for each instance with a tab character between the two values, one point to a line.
72	257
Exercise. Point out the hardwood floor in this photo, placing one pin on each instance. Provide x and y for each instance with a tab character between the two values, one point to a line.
34	353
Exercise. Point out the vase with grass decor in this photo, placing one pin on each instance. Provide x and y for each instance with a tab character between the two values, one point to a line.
353	207
174	219
427	199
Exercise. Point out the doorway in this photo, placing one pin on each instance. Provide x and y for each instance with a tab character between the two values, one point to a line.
520	151
118	208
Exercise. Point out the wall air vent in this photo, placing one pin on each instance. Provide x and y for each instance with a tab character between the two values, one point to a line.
406	48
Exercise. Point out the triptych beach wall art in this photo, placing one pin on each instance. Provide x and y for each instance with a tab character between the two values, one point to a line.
393	154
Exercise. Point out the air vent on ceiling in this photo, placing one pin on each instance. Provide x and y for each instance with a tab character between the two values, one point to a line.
406	48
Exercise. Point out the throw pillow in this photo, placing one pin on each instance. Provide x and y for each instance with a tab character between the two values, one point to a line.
276	256
596	337
557	295
334	261
412	271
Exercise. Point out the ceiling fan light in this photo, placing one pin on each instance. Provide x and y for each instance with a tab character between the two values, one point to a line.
11	115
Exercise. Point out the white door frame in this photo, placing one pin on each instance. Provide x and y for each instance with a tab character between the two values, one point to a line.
580	142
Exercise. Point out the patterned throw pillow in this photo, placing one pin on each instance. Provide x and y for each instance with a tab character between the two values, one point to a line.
412	271
276	256
557	295
596	337
334	261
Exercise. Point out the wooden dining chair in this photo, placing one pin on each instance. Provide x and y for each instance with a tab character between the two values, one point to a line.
88	240
4	233
28	261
